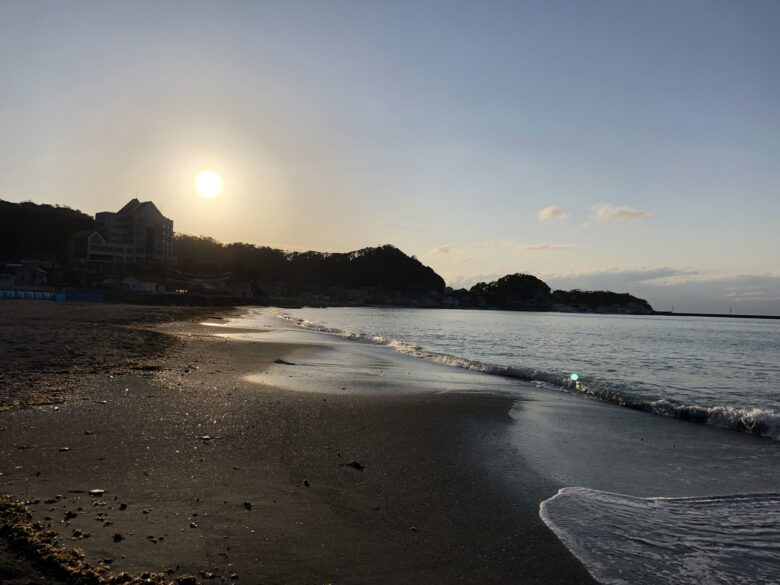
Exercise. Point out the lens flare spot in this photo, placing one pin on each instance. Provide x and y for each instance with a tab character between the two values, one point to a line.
574	377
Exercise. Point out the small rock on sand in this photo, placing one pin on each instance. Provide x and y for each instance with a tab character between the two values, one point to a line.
355	465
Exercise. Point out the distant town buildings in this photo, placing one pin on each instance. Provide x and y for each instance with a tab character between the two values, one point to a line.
24	273
137	234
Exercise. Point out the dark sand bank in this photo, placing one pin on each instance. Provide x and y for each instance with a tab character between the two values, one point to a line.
46	348
206	474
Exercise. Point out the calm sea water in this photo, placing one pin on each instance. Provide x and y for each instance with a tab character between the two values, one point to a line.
722	372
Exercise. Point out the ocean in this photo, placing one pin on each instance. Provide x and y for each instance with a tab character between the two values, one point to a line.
663	455
722	372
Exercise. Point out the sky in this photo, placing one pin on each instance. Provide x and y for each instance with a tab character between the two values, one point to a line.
626	145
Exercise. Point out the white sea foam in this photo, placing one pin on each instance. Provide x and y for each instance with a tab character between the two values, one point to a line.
763	422
669	541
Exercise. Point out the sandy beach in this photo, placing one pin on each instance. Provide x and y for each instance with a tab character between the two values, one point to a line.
205	473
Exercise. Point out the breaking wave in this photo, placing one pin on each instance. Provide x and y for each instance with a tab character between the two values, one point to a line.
663	541
757	421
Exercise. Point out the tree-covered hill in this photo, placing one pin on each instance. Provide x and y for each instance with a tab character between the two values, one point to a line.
30	230
384	267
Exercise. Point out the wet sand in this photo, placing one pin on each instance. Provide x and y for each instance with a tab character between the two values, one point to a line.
208	474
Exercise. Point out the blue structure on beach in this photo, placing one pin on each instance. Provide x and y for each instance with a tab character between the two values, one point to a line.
36	295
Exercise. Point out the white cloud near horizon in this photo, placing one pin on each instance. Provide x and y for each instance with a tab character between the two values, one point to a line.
524	247
442	250
551	212
608	212
448	253
684	290
545	247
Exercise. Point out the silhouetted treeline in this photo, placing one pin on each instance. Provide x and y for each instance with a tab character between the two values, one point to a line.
514	291
384	267
596	300
29	230
525	292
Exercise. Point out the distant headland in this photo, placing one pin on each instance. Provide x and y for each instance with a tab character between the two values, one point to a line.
134	255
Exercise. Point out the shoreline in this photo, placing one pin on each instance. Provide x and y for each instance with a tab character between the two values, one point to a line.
264	476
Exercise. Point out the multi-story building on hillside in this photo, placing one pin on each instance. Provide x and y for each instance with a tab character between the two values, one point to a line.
136	234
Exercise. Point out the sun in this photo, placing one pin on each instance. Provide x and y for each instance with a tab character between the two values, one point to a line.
208	184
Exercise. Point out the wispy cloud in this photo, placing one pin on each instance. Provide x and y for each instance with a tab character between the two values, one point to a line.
667	288
685	290
544	247
442	250
448	253
552	212
462	281
607	212
520	247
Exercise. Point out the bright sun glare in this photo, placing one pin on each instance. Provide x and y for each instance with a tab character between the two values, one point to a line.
208	184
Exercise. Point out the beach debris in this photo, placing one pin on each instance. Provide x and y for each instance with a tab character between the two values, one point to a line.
283	362
306	483
207	575
118	537
248	505
354	465
64	449
234	576
96	492
193	525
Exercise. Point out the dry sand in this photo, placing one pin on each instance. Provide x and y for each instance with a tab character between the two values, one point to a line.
46	348
210	475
